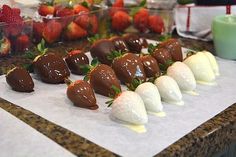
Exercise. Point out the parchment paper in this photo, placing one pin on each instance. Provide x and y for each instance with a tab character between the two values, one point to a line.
50	102
17	139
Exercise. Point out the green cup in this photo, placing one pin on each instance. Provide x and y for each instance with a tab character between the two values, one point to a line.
224	36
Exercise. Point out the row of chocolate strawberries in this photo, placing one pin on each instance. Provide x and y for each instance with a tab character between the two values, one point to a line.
130	70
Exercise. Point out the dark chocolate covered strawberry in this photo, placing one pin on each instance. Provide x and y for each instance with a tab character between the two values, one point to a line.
143	42
150	65
81	94
75	59
133	43
174	47
20	80
49	67
119	43
101	49
127	67
102	78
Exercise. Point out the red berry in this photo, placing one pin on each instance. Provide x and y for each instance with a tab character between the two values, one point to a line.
118	4
52	31
45	9
120	21
74	31
88	22
38	28
80	8
22	43
141	20
156	23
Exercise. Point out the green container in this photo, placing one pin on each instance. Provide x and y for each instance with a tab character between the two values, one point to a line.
224	36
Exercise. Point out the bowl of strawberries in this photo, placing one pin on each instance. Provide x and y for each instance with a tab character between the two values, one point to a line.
16	31
55	22
138	18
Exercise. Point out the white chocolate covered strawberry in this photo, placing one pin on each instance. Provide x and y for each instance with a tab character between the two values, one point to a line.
201	68
169	90
128	106
183	75
214	64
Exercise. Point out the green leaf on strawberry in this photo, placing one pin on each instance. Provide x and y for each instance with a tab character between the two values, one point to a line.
114	54
134	84
152	47
117	92
41	47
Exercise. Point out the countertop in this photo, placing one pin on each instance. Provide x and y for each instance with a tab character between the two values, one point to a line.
208	139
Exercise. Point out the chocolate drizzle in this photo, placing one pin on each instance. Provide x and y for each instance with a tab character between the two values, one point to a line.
20	80
74	62
102	78
128	67
119	44
82	95
51	68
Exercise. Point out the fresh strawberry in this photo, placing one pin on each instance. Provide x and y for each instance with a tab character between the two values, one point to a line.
81	94
74	31
120	21
102	78
46	9
22	43
88	22
12	17
5	47
183	75
128	67
20	80
156	23
75	59
65	11
78	8
118	4
149	94
169	90
129	107
38	28
141	20
52	31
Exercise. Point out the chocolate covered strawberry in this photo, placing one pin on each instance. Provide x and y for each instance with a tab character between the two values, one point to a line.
120	21
162	55
75	59
5	46
133	43
129	107
149	94
46	9
128	67
81	94
74	31
52	31
174	47
101	49
119	44
102	78
20	80
150	65
49	67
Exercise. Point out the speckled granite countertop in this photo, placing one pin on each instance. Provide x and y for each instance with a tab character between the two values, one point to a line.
206	140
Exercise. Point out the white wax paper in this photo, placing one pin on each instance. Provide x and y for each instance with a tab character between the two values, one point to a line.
17	139
50	102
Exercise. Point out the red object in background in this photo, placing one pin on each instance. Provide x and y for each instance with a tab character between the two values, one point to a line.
141	20
52	31
22	43
120	21
156	23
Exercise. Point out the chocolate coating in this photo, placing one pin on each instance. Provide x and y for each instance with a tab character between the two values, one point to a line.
174	48
151	66
51	68
119	44
162	55
143	42
102	78
133	43
74	61
20	80
128	67
101	49
82	95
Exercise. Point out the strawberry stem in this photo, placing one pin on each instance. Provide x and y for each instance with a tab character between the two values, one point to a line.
152	48
114	54
67	81
190	53
41	47
134	84
113	97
